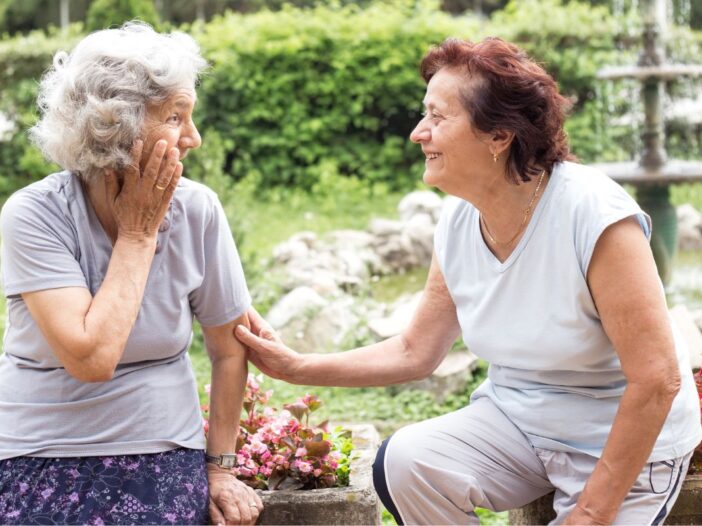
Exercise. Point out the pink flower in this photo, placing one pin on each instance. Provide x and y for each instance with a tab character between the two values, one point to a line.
252	384
301	452
317	472
304	467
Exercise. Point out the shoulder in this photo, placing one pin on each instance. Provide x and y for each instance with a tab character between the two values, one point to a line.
580	183
42	201
584	192
195	200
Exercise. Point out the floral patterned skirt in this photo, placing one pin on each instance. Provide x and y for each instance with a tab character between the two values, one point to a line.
160	488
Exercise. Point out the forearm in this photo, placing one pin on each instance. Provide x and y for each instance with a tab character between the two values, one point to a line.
114	308
226	399
391	361
636	427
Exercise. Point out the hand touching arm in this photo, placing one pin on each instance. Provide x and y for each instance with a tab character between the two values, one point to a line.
411	355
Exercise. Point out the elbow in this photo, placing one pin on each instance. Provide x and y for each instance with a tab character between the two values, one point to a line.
422	365
665	385
93	375
92	367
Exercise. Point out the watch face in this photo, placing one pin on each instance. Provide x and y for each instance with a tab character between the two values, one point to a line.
228	461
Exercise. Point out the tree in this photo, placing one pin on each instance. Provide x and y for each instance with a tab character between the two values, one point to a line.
111	13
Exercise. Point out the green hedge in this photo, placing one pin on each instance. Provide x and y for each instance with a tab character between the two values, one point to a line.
304	96
300	94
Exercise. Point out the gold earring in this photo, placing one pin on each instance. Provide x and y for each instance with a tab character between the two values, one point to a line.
495	157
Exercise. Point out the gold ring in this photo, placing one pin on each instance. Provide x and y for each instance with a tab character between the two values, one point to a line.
162	188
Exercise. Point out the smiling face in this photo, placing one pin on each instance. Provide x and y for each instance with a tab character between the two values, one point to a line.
171	121
454	152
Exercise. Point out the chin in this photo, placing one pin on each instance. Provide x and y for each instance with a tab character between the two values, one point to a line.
430	179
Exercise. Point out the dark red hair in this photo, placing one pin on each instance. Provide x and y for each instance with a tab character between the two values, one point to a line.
507	91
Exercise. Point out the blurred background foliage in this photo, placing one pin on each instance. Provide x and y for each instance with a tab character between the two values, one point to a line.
307	94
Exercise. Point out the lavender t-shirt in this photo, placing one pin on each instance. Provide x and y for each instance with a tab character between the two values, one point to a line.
51	238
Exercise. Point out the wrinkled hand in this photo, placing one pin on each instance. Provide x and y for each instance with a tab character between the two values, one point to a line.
267	351
231	501
141	202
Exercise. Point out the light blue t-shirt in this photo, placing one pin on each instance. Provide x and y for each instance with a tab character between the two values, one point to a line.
553	370
52	238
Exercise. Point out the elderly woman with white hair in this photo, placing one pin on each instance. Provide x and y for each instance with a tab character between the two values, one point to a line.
104	266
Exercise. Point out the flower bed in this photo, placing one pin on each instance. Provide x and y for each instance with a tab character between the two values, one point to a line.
279	450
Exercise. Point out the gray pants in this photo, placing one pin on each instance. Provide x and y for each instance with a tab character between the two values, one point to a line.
438	471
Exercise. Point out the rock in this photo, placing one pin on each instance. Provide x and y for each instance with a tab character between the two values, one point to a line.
355	239
327	329
420	230
355	504
420	202
353	263
297	303
450	377
396	252
689	228
690	333
400	317
290	250
314	325
385	227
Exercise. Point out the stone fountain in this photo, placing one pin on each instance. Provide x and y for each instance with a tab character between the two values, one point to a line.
653	173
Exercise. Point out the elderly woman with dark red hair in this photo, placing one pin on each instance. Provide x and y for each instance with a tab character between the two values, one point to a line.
544	266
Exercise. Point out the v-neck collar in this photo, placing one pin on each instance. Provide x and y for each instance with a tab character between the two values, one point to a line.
101	246
502	266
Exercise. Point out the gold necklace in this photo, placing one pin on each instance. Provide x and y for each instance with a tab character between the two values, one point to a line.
527	211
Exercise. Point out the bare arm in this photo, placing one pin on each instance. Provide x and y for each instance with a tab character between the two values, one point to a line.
230	500
88	334
625	285
229	370
411	355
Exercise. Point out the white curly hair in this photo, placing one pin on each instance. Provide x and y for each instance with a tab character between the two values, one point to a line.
93	101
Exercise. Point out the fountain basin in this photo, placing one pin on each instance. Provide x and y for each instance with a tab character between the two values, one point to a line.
673	171
662	72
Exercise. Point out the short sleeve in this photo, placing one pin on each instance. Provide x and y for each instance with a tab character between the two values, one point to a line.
39	248
602	206
223	295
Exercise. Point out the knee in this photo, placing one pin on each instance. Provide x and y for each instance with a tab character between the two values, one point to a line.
399	458
380	482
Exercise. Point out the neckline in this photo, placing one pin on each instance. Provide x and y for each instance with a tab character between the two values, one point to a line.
502	266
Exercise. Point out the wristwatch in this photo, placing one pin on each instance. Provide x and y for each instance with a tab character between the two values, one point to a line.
225	460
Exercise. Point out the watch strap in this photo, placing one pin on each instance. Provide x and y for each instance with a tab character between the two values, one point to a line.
225	460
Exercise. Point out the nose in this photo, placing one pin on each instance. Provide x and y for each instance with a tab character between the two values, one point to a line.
421	132
190	138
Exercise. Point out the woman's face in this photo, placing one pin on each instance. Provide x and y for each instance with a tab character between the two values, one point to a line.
172	122
454	152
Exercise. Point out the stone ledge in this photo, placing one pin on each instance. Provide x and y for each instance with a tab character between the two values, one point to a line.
687	509
356	503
